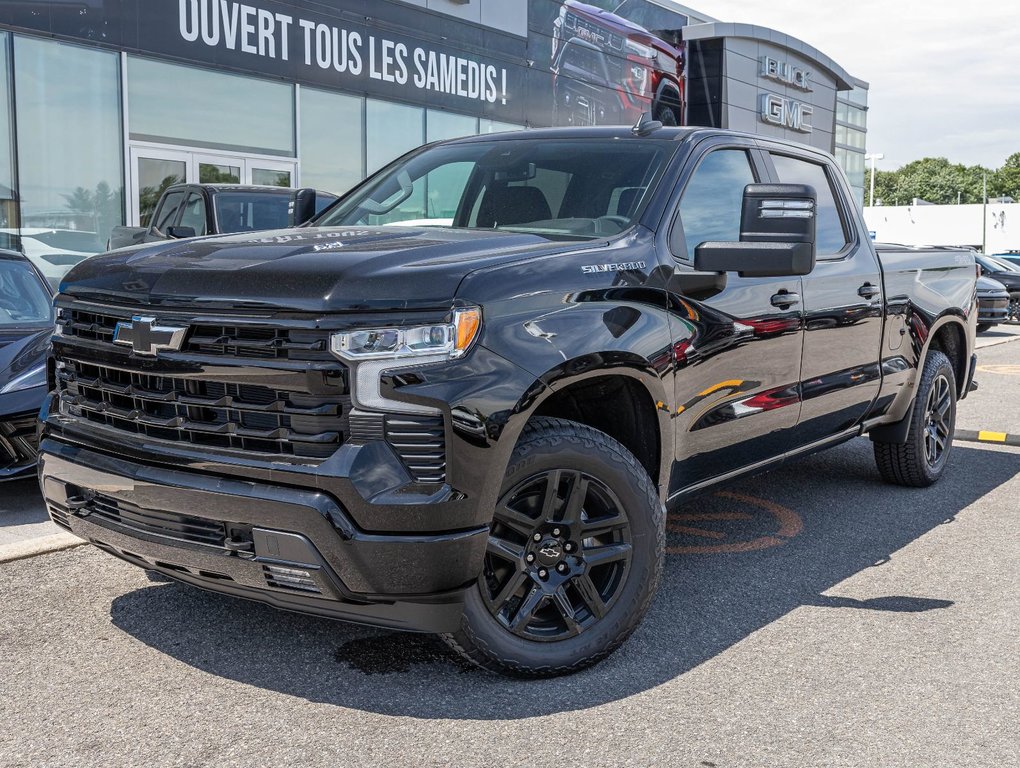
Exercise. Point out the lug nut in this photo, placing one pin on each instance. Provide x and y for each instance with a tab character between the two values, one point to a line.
562	567
556	531
569	547
542	573
537	537
530	558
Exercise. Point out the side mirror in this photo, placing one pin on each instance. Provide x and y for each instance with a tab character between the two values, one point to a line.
777	234
302	206
179	233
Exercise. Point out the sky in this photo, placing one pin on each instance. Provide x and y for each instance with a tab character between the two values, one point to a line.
945	76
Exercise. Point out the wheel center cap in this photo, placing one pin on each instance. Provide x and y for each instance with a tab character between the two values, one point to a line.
550	552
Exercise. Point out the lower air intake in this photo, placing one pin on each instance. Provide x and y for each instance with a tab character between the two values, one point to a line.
290	578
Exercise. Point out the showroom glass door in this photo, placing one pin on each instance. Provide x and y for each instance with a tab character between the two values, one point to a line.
156	167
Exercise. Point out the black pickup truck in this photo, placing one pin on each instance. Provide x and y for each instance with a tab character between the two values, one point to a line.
194	210
475	428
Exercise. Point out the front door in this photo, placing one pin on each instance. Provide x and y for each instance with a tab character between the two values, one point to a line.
156	167
736	340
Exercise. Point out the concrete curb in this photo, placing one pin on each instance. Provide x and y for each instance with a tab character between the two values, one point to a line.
40	545
985	436
993	342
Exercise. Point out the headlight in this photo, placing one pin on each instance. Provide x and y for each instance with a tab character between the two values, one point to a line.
446	340
35	377
639	49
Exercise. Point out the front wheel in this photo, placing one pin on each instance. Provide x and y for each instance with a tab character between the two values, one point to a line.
982	327
574	555
921	460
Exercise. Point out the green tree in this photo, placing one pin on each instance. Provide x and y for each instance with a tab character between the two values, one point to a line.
933	179
1006	180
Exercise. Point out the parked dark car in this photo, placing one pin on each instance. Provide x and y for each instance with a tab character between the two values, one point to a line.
194	210
618	65
26	323
1007	273
476	428
993	303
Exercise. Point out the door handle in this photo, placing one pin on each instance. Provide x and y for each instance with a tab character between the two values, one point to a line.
868	291
785	299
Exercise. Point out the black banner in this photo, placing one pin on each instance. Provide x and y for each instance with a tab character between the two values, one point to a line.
579	64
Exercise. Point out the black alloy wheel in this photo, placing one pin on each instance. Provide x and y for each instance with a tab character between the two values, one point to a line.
938	426
559	552
922	457
573	558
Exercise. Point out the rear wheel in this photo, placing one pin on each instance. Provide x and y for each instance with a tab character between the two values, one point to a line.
921	460
982	327
574	555
667	115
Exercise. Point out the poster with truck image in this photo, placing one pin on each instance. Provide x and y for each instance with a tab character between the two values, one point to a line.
613	61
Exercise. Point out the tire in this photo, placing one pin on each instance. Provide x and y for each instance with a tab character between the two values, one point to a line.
607	513
666	115
982	327
920	461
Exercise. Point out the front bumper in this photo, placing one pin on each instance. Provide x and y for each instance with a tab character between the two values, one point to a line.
292	548
993	308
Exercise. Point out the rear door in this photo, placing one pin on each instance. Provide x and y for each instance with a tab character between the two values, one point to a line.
736	340
842	304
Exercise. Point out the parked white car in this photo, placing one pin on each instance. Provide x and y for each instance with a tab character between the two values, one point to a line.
55	251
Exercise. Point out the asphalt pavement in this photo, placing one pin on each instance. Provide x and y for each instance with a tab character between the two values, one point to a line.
810	616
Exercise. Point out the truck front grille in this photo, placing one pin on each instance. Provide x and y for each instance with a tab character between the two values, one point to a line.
248	339
18	444
223	415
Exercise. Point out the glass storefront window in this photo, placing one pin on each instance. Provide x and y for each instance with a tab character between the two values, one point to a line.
446	125
494	126
8	201
209	109
332	140
391	129
70	159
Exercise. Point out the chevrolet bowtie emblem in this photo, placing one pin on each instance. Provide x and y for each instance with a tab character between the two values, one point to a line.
147	338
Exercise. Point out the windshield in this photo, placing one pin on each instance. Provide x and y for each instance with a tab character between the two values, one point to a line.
251	212
23	299
651	17
997	265
565	188
69	240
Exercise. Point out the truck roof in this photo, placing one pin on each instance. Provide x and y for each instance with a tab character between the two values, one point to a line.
665	133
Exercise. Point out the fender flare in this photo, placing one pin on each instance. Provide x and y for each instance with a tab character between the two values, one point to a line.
897	431
560	378
668	84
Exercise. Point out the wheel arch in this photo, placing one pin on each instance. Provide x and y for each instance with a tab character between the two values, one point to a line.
639	416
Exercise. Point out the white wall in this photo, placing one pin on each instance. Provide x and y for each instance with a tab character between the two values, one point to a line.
947	225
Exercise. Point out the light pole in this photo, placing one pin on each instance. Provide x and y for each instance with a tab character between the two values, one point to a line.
873	158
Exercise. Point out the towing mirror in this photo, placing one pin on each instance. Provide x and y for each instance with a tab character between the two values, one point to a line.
777	234
302	206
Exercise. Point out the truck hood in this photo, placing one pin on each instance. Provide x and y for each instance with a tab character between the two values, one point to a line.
306	269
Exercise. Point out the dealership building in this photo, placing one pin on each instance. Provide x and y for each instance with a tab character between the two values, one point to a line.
103	103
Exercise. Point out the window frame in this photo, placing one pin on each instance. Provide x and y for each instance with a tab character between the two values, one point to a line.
840	196
676	236
192	194
159	210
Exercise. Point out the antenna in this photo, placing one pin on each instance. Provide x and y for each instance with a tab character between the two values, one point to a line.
645	125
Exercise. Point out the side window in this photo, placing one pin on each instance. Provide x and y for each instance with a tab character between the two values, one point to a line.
831	234
194	214
167	211
711	203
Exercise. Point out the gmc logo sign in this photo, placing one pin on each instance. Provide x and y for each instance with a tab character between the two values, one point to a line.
786	113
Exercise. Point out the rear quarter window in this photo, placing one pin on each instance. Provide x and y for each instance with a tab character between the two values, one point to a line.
831	237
